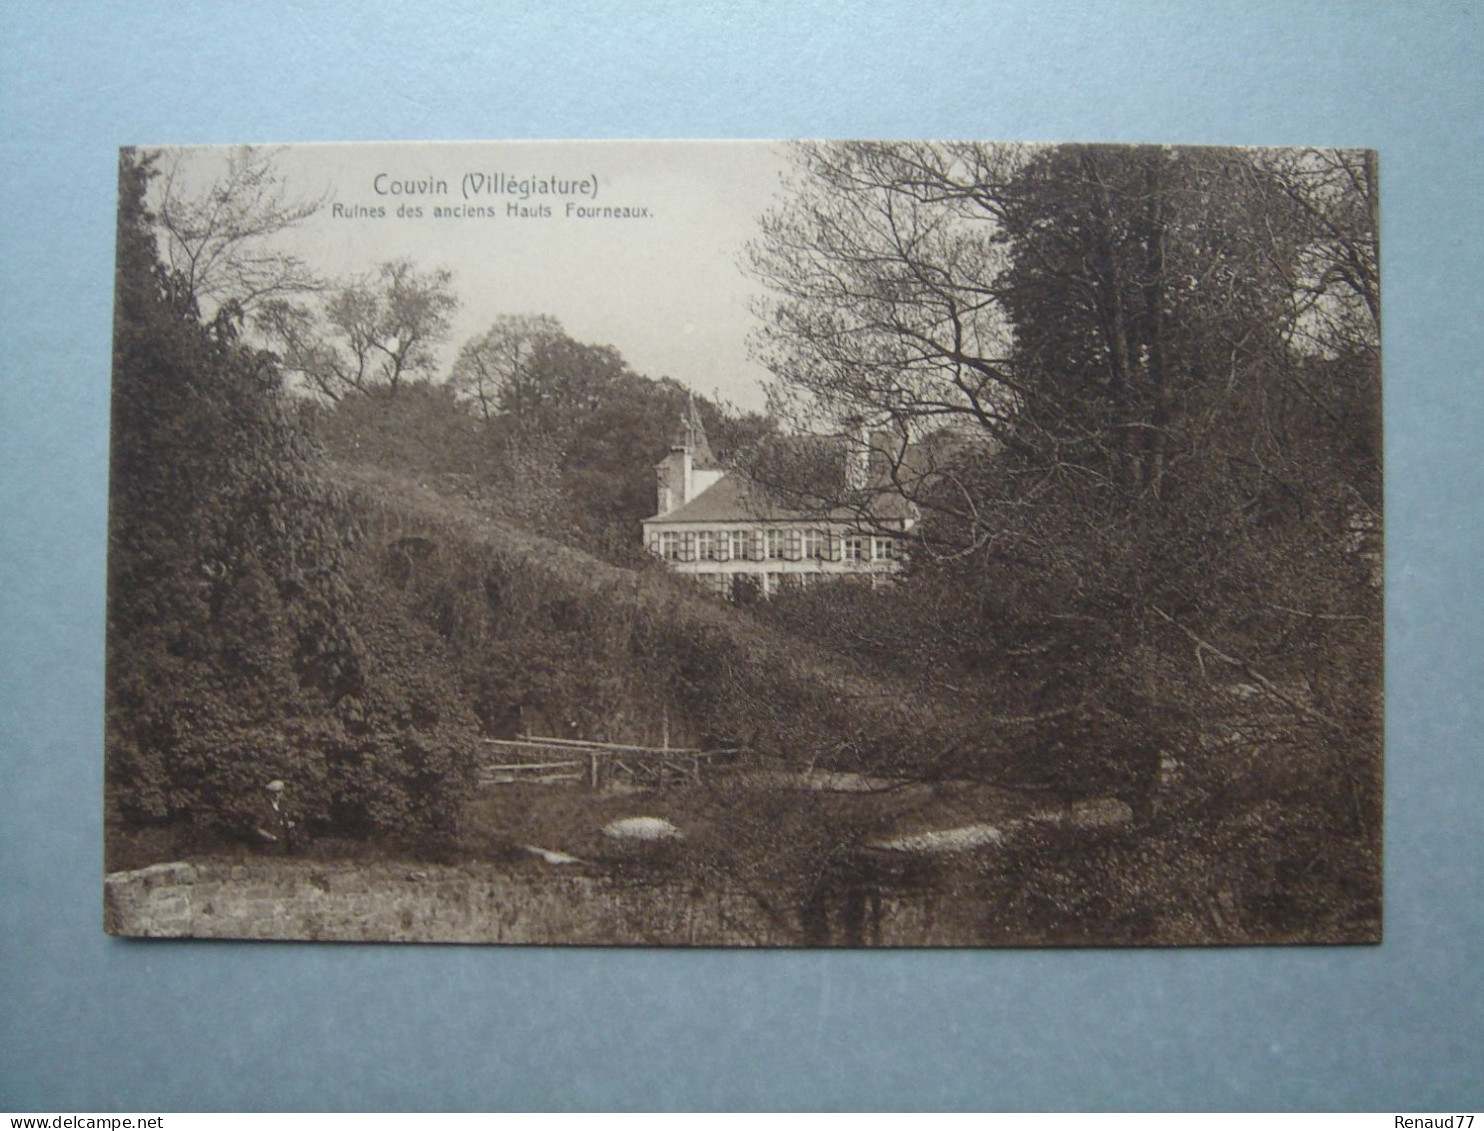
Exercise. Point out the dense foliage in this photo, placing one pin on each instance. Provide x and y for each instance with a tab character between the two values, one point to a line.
1150	562
557	436
240	653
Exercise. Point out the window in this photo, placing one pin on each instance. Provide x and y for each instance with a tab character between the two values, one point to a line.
738	540
670	546
857	548
884	549
774	541
792	545
707	549
816	545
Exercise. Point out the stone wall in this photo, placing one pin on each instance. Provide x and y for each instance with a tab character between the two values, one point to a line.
877	904
293	899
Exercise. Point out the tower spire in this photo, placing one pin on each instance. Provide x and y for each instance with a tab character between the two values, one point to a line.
690	436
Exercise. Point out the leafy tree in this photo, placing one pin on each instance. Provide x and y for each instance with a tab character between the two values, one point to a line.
373	334
494	370
425	430
574	433
1197	473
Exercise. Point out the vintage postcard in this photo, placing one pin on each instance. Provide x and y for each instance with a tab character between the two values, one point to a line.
746	544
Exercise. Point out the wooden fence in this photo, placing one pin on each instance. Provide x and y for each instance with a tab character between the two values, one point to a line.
534	758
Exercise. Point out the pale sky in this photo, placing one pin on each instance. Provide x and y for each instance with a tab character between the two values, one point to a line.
667	291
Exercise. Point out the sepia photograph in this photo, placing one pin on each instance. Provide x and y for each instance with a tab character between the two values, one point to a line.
746	544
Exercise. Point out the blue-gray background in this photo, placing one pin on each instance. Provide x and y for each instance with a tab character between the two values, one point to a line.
92	1023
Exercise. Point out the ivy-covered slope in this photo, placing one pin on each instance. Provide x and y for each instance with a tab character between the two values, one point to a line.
548	637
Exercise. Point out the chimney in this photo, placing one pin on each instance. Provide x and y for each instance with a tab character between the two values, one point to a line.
858	457
676	472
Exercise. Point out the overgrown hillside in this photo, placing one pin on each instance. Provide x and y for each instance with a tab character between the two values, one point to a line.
297	645
545	636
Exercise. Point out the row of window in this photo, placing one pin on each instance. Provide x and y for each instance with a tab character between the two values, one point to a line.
741	586
773	545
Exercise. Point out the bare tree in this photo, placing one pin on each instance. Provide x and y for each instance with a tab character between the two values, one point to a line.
218	239
882	272
1338	287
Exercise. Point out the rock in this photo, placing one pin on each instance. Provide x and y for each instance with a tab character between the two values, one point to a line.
946	840
1101	811
642	828
551	856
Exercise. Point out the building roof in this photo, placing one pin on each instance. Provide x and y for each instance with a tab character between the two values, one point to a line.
732	498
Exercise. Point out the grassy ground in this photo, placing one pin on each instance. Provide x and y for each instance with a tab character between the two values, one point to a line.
723	815
500	819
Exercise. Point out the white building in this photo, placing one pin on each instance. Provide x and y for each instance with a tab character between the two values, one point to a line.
727	533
